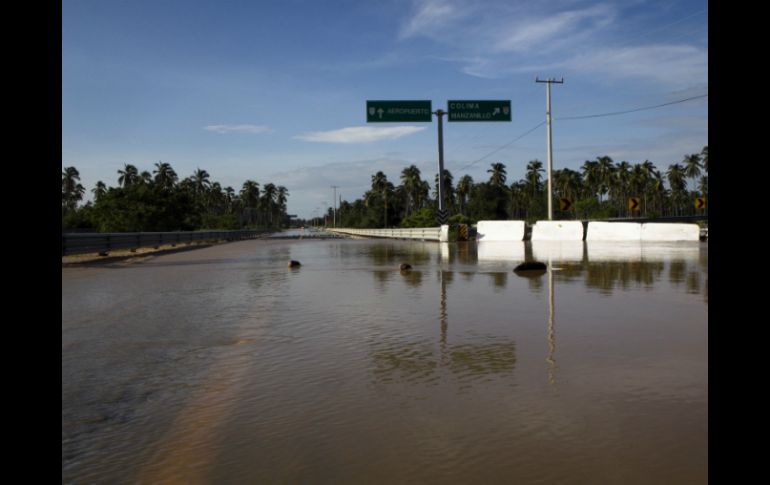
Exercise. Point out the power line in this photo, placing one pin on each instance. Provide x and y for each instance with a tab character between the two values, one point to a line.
568	118
504	146
578	118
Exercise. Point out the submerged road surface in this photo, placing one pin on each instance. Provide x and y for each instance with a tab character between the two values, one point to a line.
224	365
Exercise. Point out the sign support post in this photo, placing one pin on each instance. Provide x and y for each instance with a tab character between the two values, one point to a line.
442	215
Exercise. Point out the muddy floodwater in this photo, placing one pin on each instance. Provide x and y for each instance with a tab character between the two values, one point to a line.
223	365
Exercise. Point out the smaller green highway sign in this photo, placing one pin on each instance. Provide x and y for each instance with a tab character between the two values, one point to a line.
398	111
479	110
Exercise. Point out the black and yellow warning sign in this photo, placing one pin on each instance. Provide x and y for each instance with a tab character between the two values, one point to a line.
700	203
634	203
565	204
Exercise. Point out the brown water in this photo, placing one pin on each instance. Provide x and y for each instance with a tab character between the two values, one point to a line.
223	365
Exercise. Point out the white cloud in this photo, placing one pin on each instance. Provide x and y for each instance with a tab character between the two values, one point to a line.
673	65
253	129
359	134
565	27
431	15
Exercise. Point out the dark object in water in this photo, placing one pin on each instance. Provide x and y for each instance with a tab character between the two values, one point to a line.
531	268
405	267
294	264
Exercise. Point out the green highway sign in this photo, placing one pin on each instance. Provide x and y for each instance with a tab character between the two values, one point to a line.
479	110
398	111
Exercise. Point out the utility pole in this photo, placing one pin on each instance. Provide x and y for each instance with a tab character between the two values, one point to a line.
442	219
550	144
335	187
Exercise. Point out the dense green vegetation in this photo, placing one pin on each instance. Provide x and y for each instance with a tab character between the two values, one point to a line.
600	190
159	201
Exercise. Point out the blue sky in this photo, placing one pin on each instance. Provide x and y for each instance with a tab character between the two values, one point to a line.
276	91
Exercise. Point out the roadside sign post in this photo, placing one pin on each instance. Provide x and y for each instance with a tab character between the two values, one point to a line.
382	111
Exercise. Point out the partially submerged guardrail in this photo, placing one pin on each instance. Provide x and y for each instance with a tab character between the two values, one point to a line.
421	233
104	242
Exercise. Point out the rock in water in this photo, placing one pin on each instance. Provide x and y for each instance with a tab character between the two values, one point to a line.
294	264
531	268
405	267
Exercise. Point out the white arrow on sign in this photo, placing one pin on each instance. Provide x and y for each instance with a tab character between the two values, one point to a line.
380	111
496	111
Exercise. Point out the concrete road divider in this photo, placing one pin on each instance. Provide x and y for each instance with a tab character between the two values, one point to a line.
614	231
500	231
664	231
557	231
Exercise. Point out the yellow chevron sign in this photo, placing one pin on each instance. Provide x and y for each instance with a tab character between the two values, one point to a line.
634	203
700	203
565	204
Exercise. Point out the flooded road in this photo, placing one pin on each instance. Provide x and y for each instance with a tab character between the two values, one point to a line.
223	365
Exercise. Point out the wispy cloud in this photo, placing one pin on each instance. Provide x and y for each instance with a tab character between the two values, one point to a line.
252	129
431	16
359	134
672	65
547	32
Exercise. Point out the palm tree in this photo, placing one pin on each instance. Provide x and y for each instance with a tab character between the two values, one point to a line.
692	166
606	169
201	181
128	176
705	154
534	178
676	181
412	184
381	187
165	176
250	199
498	175
71	189
619	187
648	169
99	190
567	183
269	192
464	188
281	198
591	177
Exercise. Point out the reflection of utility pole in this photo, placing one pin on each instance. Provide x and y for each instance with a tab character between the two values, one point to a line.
443	316
335	187
551	333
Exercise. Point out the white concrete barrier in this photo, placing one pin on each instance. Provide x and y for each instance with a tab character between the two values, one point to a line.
444	234
668	231
614	231
500	231
557	231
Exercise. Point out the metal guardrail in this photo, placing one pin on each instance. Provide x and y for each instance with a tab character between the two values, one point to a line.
422	233
74	243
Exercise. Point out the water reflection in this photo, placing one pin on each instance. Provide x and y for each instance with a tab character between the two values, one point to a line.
420	363
603	266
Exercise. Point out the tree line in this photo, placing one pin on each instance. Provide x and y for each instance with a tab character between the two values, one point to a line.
599	190
159	201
